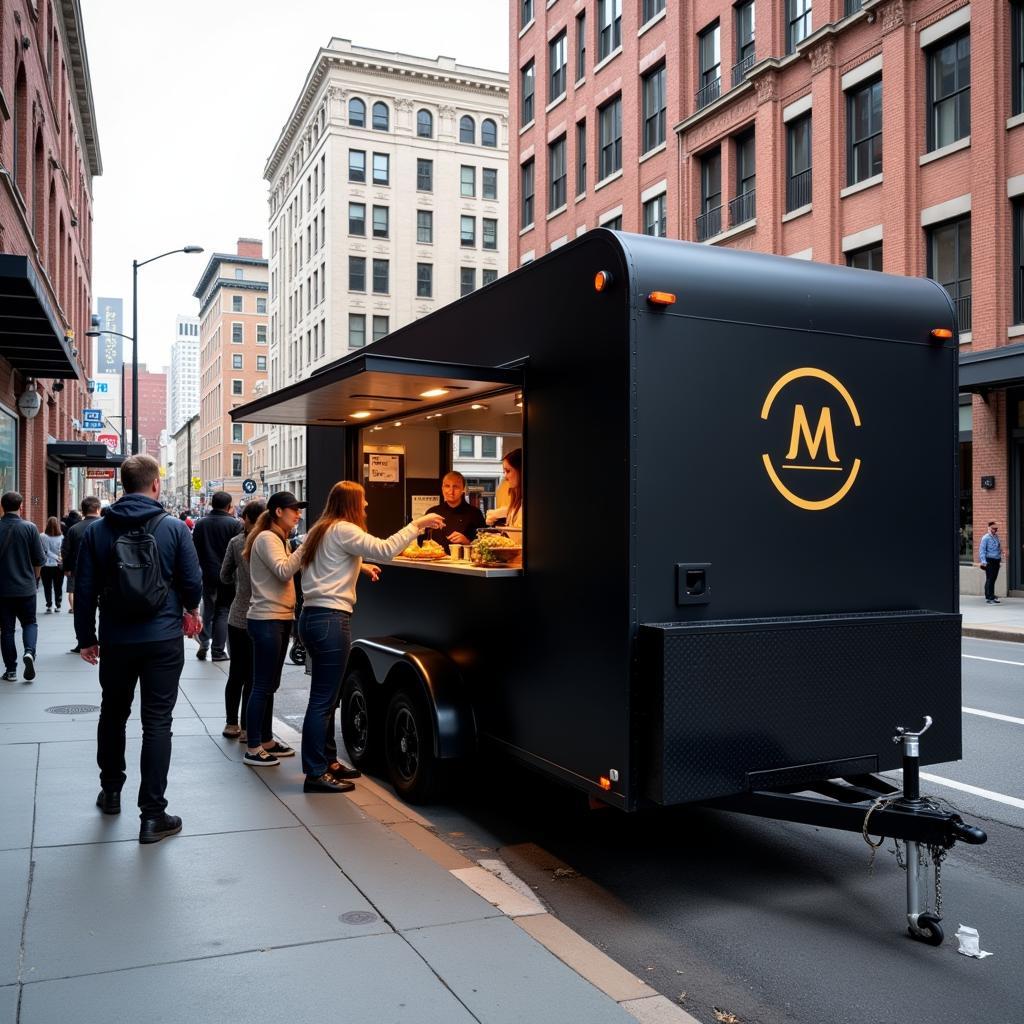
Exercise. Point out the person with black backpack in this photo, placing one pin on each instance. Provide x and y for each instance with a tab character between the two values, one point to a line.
139	566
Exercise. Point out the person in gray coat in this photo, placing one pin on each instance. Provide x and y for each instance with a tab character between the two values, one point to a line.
21	558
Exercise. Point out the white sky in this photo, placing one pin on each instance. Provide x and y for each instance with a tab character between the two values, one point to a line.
191	97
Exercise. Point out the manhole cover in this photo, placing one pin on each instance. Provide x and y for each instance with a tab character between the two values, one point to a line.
358	917
73	709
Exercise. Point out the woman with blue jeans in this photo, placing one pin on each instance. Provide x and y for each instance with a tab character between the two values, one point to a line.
332	560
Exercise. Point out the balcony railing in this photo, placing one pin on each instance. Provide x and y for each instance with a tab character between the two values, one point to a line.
709	224
742	208
709	93
963	313
740	69
798	190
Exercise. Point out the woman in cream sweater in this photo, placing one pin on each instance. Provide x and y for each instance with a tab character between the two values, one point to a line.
332	560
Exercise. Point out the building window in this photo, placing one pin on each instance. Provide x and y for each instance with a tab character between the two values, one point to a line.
1017	56
236	433
236	387
526	193
236	303
869	258
467	446
357	273
744	41
261	334
467	280
949	263
526	84
467	182
949	91
261	306
380	327
613	224
261	364
424	280
381	169
467	130
581	45
236	361
798	22
356	330
654	216
709	223
852	7
1018	261
609	27
556	175
424	175
467	231
236	464
357	219
650	9
742	208
488	447
654	108
380	277
380	117
356	165
490	233
489	134
798	163
709	48
610	141
558	64
864	132
525	12
236	334
424	124
490	183
425	226
380	222
356	113
489	276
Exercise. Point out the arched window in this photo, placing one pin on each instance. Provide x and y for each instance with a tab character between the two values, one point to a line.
489	133
380	117
425	124
19	162
39	192
467	129
356	113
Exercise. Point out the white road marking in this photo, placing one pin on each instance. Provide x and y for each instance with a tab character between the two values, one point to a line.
992	714
1012	801
998	661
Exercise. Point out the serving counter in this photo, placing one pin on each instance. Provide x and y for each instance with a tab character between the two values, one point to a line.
455	567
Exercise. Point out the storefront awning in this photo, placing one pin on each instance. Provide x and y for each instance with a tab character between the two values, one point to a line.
83	453
31	338
1001	367
365	389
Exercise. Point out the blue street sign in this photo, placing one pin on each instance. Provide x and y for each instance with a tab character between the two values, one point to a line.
92	416
249	486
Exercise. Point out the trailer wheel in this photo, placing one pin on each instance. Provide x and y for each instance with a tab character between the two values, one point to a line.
359	725
409	747
929	925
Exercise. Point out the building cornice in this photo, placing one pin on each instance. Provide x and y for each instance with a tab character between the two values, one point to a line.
216	259
81	80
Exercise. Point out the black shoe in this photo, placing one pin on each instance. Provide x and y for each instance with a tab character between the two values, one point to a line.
109	801
220	657
340	770
201	654
29	661
155	829
10	677
326	783
76	649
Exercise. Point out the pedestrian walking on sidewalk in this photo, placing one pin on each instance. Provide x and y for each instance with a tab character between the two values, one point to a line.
234	571
21	558
990	555
141	562
52	571
269	622
211	536
332	562
72	541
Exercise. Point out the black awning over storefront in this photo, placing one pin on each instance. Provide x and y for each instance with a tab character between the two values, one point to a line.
83	453
31	337
1002	367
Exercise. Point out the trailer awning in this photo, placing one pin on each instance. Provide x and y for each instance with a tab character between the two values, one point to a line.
994	368
364	389
83	453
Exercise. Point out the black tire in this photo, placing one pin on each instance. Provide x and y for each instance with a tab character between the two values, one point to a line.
409	747
360	720
931	929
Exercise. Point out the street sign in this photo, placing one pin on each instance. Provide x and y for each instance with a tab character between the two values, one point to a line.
197	484
112	441
91	473
249	486
92	417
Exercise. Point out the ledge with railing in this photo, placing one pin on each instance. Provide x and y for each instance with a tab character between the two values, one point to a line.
740	69
798	190
709	224
742	208
709	93
963	313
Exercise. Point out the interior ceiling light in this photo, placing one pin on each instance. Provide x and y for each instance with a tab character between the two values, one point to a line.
477	405
398	423
360	415
434	393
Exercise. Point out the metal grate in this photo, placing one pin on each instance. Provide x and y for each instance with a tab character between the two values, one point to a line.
358	917
73	709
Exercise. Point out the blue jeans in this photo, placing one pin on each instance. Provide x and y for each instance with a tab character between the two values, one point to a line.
327	636
269	646
12	611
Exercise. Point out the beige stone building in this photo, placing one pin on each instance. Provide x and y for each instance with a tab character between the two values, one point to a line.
233	361
388	199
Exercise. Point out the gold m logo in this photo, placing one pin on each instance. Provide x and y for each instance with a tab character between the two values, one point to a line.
801	437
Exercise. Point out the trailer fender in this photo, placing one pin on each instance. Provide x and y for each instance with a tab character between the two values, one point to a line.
391	661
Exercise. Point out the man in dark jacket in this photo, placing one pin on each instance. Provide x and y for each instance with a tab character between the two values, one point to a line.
149	651
72	542
211	535
21	555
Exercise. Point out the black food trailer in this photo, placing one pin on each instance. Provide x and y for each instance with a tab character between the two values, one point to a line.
739	542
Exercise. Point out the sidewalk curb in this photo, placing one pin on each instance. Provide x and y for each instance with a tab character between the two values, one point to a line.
1010	635
635	996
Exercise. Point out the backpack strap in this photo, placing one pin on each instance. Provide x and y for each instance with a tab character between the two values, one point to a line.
152	523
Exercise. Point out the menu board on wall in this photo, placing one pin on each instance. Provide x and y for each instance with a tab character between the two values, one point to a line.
384	469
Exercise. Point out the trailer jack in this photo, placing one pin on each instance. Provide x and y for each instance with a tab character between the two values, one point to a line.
872	806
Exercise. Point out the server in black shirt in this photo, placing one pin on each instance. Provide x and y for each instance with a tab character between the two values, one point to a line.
461	520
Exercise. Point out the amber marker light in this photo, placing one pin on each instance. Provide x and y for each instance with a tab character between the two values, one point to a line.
604	783
942	333
602	281
661	298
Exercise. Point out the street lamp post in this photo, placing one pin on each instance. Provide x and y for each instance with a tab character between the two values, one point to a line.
135	336
127	337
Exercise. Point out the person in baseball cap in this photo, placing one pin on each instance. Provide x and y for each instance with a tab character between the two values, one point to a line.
284	499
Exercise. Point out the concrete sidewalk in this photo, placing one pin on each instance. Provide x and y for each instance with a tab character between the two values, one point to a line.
270	903
1003	621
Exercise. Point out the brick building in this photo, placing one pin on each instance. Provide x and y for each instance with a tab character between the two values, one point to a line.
49	154
152	407
882	134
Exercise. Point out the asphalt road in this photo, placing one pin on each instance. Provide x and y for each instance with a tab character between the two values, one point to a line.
769	921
